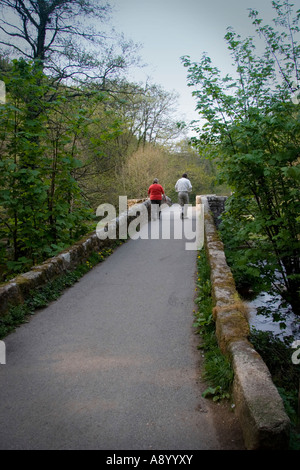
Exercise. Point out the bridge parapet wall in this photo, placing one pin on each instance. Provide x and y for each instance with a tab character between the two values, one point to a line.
259	406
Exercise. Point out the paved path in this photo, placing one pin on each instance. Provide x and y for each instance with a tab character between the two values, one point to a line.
113	363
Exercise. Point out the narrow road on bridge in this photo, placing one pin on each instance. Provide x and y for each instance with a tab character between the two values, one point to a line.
113	364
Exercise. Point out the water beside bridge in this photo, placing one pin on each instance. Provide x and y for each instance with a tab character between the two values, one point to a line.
271	304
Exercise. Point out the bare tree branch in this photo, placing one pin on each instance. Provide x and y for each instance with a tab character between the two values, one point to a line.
44	25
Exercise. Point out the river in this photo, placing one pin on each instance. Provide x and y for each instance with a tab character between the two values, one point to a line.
267	302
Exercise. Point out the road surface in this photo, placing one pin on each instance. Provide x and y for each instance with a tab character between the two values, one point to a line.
113	364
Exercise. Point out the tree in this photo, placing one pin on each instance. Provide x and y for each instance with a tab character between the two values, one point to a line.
154	161
147	112
252	129
41	205
55	35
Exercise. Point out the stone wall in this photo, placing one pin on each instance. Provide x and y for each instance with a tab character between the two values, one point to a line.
259	406
16	291
216	206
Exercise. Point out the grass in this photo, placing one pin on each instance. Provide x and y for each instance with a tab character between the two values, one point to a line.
218	372
42	296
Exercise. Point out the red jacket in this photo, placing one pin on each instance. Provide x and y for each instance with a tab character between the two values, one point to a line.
156	191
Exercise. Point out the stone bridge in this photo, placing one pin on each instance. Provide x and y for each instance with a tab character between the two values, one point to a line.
155	280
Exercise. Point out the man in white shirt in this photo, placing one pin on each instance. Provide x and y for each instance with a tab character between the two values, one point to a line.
183	187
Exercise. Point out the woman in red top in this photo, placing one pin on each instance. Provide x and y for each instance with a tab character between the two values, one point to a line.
155	192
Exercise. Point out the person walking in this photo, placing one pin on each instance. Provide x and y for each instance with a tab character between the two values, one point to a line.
156	192
183	186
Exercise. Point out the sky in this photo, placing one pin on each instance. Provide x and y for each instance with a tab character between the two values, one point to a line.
169	29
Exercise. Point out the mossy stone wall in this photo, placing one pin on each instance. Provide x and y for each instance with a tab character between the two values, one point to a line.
259	406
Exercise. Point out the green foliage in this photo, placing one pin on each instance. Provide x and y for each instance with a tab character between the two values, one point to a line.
252	130
217	368
219	373
277	353
246	247
203	298
41	204
290	401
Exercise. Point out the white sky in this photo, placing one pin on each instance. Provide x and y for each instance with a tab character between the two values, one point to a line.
169	29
